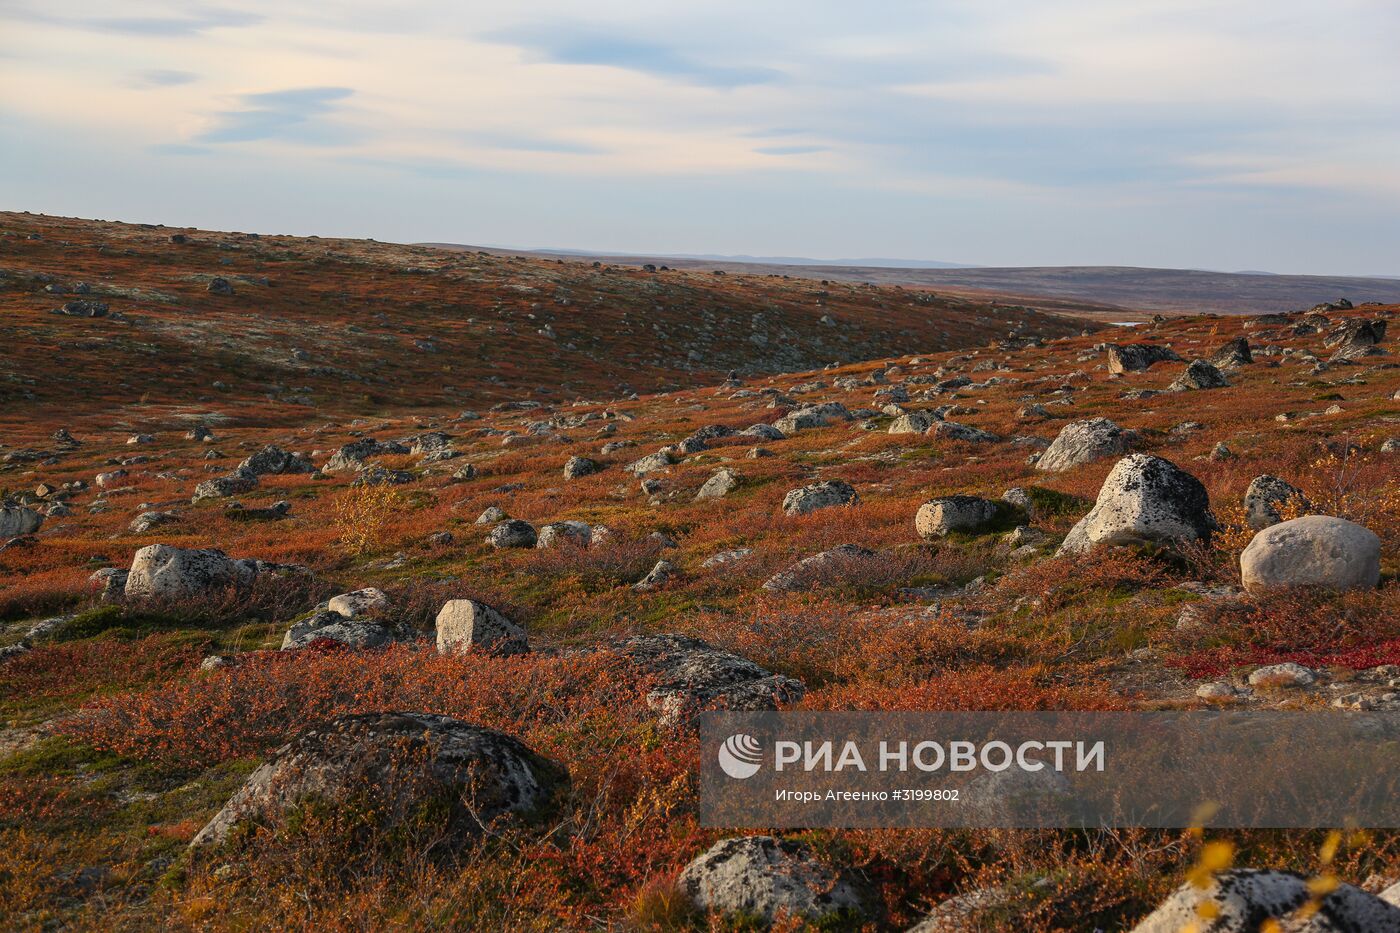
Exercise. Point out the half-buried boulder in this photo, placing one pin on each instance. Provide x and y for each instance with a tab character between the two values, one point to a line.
513	532
819	496
690	675
1266	494
1082	442
464	624
940	517
771	879
829	568
401	768
19	520
165	572
1144	500
1199	375
1136	357
1315	550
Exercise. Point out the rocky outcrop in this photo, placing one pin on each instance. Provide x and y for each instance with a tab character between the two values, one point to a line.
688	675
817	496
1144	500
395	765
1199	375
1315	550
770	879
1082	442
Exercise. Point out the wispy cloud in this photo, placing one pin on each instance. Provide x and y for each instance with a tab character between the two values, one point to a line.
577	45
162	77
290	114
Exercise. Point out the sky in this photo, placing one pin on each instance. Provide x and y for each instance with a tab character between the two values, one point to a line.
1213	134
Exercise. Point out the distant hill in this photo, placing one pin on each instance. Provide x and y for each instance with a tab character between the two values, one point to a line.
1148	291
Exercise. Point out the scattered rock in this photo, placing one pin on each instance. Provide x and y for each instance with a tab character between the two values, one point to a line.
579	534
1264	496
659	575
464	624
580	466
1315	550
1145	499
822	495
720	484
940	517
689	675
1240	900
826	568
1199	375
407	760
513	532
1082	442
768	879
1287	674
18	520
1136	357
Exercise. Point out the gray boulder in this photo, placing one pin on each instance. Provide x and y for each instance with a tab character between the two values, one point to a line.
1199	375
952	431
1232	355
464	624
579	534
352	456
18	520
720	484
940	517
765	431
1145	499
771	879
826	568
162	571
1238	901
513	532
687	675
149	520
914	422
405	761
1315	550
652	462
1263	498
822	495
580	466
1136	357
370	601
659	575
234	484
273	459
1082	442
353	632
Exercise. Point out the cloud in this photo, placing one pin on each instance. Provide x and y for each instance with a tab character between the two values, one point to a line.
791	150
173	27
162	77
290	115
572	45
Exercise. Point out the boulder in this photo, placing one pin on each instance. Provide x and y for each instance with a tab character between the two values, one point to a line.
491	515
1264	497
1232	355
352	456
165	572
1199	375
234	484
18	520
272	460
825	568
513	532
149	520
1315	550
688	675
579	534
353	632
914	422
720	484
1136	357
822	495
464	624
580	466
1145	499
1240	900
771	879
398	766
765	431
952	431
1082	442
652	462
812	416
659	575
370	601
970	514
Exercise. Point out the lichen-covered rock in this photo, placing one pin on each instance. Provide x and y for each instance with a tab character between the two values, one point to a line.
689	675
272	460
579	534
464	624
1199	375
352	456
162	571
660	574
822	495
952	431
1082	442
940	517
370	601
771	879
1315	550
580	466
149	520
1136	357
351	631
914	422
765	431
513	532
221	487
1145	499
1232	355
827	568
652	462
1239	901
1264	497
400	767
812	416
19	520
720	484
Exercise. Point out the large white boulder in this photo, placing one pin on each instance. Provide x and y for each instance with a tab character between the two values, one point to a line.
165	572
1145	499
463	624
770	879
1239	901
1315	550
1082	442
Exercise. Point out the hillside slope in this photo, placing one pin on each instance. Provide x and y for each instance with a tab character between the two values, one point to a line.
355	326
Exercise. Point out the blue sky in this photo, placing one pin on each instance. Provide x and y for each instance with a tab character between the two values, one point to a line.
1230	134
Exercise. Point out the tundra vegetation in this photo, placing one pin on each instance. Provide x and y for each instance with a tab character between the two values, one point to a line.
392	578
